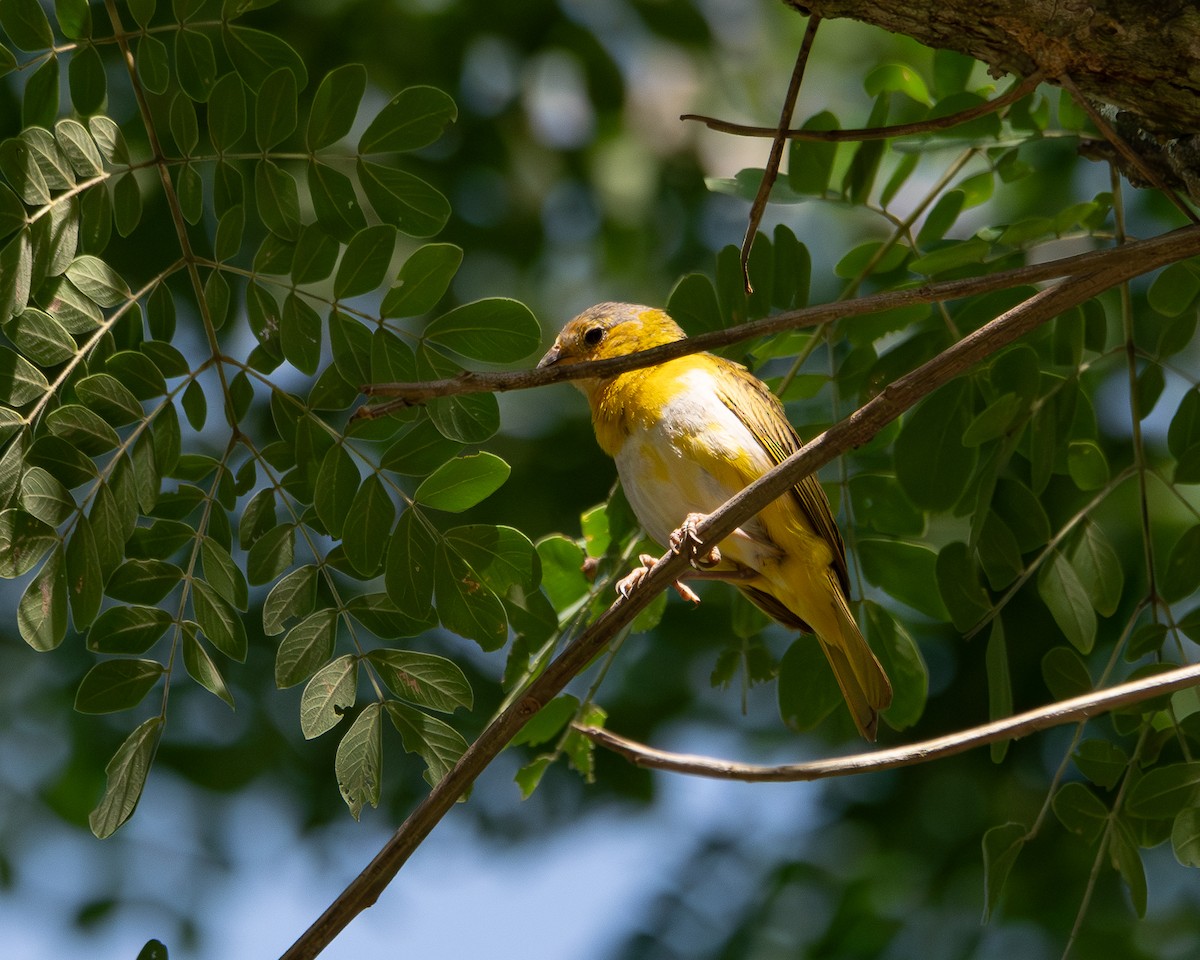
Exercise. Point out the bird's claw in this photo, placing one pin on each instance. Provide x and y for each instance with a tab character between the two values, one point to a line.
687	540
627	583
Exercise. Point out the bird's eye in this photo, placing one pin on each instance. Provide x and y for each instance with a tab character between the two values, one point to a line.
593	335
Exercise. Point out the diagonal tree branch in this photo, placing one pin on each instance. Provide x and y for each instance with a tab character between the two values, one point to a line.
1010	728
851	432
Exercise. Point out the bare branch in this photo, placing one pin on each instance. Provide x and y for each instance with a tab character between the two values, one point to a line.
1010	728
1148	254
1011	95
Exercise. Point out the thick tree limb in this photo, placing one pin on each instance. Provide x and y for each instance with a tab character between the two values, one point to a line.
851	432
1010	728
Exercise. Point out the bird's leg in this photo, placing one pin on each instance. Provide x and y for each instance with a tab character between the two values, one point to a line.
626	584
686	540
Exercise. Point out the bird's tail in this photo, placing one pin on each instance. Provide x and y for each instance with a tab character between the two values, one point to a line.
859	674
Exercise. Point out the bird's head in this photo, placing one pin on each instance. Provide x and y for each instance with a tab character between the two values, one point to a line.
611	330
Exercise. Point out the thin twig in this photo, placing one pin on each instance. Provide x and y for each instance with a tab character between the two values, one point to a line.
1151	254
771	171
1010	728
851	432
1012	95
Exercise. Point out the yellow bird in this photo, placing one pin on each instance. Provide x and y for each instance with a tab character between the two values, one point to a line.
687	435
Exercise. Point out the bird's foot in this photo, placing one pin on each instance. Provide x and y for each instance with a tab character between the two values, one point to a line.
687	540
628	582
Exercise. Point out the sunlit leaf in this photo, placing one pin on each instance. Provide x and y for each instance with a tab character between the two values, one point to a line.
328	695
358	763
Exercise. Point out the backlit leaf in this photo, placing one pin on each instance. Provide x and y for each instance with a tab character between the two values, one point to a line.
423	678
126	776
359	760
462	482
305	648
328	695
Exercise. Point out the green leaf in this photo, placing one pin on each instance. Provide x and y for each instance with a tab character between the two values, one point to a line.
220	622
423	678
1164	791
275	109
367	525
335	201
1022	513
78	146
26	24
955	254
907	571
223	575
271	554
958	583
1184	431
993	421
256	55
902	660
423	280
810	163
438	744
808	692
365	262
99	282
24	540
153	64
129	629
1102	762
502	556
1087	464
85	579
1173	290
201	667
359	760
293	596
110	398
1001	847
463	482
465	605
380	616
496	330
20	381
334	106
1080	811
300	335
137	372
184	128
126	777
44	497
1181	575
1066	597
226	112
1065	673
328	695
40	105
1099	567
41	337
409	572
196	64
42	610
897	78
1128	861
932	464
420	450
404	200
1185	837
278	199
307	645
116	685
127	204
143	581
412	119
337	483
941	218
81	428
315	255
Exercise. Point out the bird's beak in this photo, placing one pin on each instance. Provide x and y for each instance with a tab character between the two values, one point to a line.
552	357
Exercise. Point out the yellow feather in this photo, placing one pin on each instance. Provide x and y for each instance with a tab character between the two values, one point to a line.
690	433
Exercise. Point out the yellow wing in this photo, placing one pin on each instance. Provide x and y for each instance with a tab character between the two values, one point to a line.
762	413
